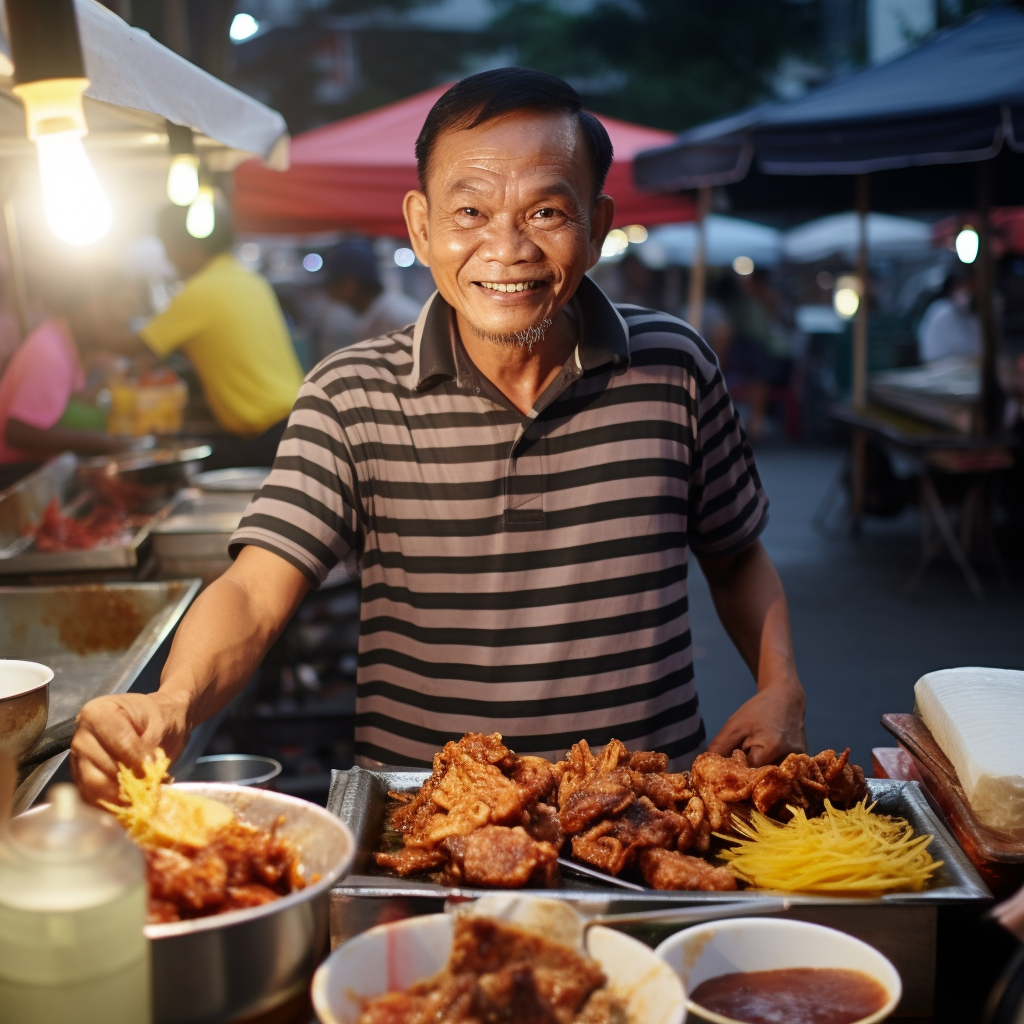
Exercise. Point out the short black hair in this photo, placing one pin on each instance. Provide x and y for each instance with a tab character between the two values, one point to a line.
491	94
171	224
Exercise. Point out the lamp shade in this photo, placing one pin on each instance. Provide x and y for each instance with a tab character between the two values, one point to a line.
44	40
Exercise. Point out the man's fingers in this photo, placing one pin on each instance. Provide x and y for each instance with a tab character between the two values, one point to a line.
93	783
730	736
116	729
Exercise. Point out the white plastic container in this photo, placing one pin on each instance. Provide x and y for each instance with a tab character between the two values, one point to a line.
72	911
762	944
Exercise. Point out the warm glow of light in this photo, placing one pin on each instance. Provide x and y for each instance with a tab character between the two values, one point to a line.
967	245
636	233
242	27
77	209
405	257
183	179
846	302
615	243
743	265
200	219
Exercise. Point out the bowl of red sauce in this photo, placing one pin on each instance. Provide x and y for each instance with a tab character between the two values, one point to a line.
765	971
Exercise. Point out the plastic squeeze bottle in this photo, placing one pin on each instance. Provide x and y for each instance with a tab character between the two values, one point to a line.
72	910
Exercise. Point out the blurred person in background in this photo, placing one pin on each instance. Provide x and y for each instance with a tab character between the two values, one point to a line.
228	323
950	325
46	403
353	280
759	353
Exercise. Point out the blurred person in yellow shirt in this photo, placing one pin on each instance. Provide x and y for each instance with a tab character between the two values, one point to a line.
228	322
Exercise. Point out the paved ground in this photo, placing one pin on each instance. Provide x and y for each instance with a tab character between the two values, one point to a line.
860	644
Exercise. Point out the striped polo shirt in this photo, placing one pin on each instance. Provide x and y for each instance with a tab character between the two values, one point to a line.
521	574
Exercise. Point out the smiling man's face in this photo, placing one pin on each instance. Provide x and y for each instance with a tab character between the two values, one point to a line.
509	223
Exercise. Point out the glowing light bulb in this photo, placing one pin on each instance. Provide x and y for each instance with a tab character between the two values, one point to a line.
967	245
200	218
183	179
404	257
242	27
76	207
846	302
743	265
636	233
615	243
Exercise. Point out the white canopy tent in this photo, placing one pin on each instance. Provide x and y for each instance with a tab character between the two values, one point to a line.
839	235
136	83
726	238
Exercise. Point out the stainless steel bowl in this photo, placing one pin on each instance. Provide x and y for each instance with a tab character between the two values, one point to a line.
238	769
24	705
246	962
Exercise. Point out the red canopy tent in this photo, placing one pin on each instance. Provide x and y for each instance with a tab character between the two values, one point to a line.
352	175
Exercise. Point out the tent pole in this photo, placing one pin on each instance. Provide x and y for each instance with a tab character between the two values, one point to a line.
990	411
17	265
695	304
860	358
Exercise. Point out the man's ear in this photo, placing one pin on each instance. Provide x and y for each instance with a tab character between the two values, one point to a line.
600	225
414	206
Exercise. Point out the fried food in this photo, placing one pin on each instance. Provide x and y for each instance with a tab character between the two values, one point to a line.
200	859
667	869
488	817
499	972
848	851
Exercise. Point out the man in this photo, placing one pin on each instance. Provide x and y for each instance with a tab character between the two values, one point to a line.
519	482
228	322
353	279
950	325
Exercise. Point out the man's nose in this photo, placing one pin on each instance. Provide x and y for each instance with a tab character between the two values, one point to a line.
506	241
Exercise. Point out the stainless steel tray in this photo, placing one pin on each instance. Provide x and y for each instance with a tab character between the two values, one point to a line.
22	505
359	797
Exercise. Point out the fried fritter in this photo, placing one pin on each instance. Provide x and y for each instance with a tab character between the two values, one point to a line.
505	858
666	869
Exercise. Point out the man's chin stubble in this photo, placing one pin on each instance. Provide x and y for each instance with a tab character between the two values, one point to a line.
517	339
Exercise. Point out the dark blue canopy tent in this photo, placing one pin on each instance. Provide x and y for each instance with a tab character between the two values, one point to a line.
940	127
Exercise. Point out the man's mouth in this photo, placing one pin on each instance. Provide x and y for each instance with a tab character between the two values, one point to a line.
509	286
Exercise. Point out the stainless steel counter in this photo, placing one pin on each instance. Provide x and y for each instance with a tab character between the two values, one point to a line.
98	639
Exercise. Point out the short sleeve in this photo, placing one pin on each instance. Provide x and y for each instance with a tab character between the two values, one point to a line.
308	509
182	320
728	505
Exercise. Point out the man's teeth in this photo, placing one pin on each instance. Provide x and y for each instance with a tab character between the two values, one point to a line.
520	286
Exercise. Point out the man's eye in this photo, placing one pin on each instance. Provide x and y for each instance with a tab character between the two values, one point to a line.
470	211
546	213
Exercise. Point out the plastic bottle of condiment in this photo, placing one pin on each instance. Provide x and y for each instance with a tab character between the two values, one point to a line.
72	910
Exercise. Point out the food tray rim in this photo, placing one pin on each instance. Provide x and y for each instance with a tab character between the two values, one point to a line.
357	795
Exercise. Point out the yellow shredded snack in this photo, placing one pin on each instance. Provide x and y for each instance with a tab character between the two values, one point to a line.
854	852
154	814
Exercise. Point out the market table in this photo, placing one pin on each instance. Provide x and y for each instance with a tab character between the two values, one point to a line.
938	450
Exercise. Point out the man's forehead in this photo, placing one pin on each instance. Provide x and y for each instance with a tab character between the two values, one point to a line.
534	145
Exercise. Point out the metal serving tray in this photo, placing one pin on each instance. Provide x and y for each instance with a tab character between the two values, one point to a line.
22	505
359	798
903	927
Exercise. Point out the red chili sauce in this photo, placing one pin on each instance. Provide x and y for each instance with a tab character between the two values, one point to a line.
797	995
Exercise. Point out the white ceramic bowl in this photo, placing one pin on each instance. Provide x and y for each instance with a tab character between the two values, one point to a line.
390	957
761	944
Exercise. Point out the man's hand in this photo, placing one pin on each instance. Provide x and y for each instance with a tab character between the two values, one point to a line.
766	727
125	728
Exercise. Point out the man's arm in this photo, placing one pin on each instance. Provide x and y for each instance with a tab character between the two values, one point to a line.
217	647
751	603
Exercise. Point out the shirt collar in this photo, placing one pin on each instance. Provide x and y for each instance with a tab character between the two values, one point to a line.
604	337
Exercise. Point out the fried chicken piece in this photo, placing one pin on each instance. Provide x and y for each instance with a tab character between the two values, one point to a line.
505	858
510	994
666	869
696	834
612	844
648	762
580	764
666	790
535	778
845	781
193	884
600	795
542	822
719	781
411	860
602	1008
250	895
488	749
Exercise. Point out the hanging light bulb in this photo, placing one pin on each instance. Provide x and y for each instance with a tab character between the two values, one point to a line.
183	179
183	176
200	220
50	79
